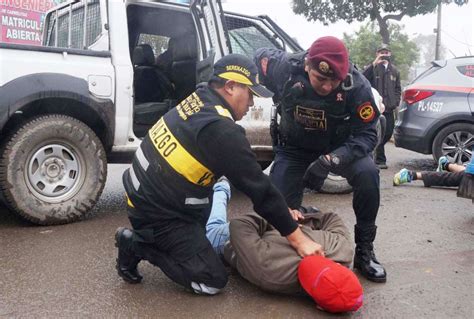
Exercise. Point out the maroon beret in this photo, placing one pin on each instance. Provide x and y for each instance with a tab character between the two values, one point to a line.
328	56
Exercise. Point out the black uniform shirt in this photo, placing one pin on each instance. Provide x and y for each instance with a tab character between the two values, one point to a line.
222	147
363	135
229	153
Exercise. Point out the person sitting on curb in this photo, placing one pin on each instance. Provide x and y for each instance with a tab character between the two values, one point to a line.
447	175
255	248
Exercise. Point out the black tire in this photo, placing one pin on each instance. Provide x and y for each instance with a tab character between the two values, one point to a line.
335	184
454	141
52	170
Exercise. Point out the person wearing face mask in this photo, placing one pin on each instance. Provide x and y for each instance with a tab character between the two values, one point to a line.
385	78
328	124
169	184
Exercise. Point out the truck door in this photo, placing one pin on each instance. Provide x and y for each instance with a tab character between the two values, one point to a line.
247	34
208	18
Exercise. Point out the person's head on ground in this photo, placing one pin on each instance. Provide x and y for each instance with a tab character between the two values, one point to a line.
333	287
235	78
327	64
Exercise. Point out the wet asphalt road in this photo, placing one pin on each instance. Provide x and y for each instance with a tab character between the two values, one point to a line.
425	241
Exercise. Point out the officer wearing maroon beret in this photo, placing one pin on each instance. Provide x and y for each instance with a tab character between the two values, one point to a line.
327	124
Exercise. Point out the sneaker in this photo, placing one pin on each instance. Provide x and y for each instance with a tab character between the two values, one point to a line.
402	177
382	165
442	162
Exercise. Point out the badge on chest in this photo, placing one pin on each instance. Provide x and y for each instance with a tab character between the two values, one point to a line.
310	118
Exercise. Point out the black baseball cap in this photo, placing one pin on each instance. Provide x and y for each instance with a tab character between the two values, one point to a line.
383	46
239	68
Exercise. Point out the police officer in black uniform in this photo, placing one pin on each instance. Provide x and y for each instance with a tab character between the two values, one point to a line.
169	185
328	124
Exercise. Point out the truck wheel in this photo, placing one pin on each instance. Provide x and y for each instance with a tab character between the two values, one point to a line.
52	170
454	141
335	184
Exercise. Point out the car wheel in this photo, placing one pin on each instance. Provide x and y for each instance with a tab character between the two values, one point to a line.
335	184
52	170
454	141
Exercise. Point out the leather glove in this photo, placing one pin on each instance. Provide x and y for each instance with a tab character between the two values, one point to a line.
316	173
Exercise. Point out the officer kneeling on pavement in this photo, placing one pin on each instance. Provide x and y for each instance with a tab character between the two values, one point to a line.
328	124
169	185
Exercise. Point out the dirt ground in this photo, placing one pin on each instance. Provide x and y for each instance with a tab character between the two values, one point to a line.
425	241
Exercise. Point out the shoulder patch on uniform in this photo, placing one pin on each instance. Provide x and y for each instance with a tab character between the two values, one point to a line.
366	112
189	106
222	111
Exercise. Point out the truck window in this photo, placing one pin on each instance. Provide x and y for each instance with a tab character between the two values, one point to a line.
158	43
70	25
246	36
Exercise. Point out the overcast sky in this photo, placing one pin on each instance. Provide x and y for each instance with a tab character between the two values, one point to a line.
456	35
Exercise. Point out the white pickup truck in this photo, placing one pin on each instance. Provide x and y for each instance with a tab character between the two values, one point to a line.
107	70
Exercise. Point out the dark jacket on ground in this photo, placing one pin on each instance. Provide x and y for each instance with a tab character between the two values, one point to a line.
266	259
183	155
387	82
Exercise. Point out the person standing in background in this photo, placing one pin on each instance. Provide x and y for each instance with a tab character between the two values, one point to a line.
385	78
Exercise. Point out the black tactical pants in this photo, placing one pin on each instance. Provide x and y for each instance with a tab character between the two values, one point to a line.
182	252
442	179
290	165
387	134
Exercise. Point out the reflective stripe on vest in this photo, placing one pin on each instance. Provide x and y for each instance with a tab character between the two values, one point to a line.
142	159
129	202
196	201
177	156
223	112
133	177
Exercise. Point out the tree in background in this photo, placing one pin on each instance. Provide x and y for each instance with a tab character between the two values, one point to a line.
364	42
426	46
330	11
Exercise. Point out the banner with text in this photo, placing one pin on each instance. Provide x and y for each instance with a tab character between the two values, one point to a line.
22	20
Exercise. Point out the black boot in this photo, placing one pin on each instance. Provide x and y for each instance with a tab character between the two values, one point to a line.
127	261
364	259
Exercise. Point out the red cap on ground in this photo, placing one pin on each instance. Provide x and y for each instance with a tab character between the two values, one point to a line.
333	287
329	56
